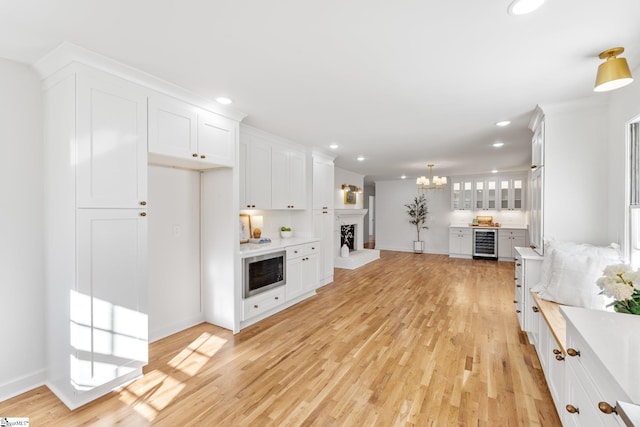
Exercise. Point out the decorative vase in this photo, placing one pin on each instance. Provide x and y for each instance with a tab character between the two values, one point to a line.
286	234
418	246
344	251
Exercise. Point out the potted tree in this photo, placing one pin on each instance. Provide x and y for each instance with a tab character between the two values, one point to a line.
417	211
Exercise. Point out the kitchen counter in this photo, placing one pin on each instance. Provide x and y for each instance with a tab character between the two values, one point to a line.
251	249
508	227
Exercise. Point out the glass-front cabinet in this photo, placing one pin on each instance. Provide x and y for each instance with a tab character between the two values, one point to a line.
486	194
511	194
461	195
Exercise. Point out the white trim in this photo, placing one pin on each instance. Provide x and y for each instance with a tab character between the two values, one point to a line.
22	384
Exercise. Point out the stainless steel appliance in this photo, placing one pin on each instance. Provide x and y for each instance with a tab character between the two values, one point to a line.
264	272
485	243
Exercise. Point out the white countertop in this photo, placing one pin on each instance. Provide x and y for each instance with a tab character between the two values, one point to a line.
250	249
506	227
615	340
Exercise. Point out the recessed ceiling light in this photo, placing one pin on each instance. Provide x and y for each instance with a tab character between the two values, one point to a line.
503	123
224	101
494	171
403	177
522	7
498	144
360	158
333	146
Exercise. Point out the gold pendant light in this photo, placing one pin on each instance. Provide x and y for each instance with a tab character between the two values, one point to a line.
614	73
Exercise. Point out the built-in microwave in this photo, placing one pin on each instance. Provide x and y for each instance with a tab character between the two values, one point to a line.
264	272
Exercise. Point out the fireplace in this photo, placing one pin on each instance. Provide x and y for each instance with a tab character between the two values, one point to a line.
348	236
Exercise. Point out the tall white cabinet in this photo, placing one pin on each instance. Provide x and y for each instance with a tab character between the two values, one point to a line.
323	214
96	232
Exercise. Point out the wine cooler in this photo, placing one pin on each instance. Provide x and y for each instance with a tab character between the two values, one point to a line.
485	243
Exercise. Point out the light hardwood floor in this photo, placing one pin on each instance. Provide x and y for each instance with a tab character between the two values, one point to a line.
414	340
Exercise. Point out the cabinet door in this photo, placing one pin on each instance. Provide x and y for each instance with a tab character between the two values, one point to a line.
323	185
466	243
109	305
294	286
454	243
111	150
297	180
505	246
479	195
536	229
461	195
255	173
172	128
323	229
216	139
310	268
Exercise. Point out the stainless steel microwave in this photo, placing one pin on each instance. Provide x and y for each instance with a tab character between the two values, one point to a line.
264	272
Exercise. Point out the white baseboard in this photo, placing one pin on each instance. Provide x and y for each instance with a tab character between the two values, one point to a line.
22	384
176	327
407	249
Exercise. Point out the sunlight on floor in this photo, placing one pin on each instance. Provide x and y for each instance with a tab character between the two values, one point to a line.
158	388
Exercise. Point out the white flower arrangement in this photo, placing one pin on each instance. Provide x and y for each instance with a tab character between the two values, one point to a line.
622	283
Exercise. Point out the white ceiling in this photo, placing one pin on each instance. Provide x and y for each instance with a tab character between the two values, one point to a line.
402	83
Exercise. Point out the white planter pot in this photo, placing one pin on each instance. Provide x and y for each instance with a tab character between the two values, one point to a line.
418	246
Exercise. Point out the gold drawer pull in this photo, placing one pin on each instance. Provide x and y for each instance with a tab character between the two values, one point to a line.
535	309
518	264
556	351
195	155
276	297
518	311
559	357
143	203
143	214
255	306
572	409
606	408
573	353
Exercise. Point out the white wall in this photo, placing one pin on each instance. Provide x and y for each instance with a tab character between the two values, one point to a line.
175	301
342	176
22	361
576	176
624	107
393	231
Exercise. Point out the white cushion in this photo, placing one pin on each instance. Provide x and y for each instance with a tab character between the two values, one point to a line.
574	270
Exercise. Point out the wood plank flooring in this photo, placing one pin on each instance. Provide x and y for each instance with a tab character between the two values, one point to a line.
408	340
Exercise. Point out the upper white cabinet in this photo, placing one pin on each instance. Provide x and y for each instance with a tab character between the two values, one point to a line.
512	194
181	134
255	173
537	142
288	178
485	194
216	139
111	136
461	194
323	178
535	216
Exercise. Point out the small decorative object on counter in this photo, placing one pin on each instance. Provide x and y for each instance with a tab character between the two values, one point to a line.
621	283
285	232
344	251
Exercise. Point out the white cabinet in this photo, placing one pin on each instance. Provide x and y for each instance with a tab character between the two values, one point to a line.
288	178
111	142
461	194
108	317
323	178
552	359
512	193
95	227
262	303
535	216
528	266
460	242
181	134
508	239
485	194
255	173
537	143
302	269
323	225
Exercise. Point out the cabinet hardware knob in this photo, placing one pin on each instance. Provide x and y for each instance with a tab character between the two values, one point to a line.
532	246
573	353
143	203
195	154
533	166
276	297
518	264
248	206
255	306
535	309
556	351
202	156
515	278
515	302
253	206
313	248
606	408
572	409
143	214
518	286
518	311
559	357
